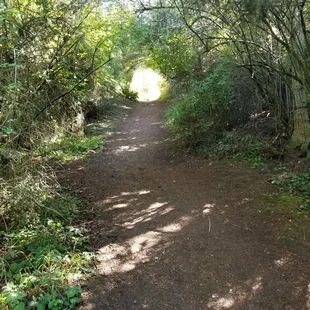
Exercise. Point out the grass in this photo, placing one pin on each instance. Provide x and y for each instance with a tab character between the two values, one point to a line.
297	186
286	209
39	264
291	205
72	147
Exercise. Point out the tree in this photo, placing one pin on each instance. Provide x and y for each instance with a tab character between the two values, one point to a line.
269	38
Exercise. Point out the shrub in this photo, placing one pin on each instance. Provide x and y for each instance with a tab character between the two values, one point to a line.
130	94
222	101
197	118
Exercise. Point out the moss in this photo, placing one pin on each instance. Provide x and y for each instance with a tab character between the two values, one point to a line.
291	200
292	219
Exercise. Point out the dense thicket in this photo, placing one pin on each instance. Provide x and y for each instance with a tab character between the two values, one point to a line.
268	39
58	59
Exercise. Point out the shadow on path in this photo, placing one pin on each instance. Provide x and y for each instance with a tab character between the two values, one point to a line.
182	234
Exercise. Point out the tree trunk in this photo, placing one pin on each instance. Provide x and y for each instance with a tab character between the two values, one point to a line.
301	133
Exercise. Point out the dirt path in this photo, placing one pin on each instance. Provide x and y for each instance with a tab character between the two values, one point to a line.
183	234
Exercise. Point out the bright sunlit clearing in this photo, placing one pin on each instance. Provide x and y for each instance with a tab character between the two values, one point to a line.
146	82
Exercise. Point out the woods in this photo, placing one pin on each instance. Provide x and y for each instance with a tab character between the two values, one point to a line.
237	73
268	39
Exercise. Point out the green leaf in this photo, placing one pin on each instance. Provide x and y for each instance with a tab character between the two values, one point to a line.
14	267
9	65
12	86
75	300
19	306
8	130
41	305
73	291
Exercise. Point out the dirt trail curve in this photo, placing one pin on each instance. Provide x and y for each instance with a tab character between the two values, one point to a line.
183	234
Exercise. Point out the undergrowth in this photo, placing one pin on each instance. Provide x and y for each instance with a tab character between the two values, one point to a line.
41	263
197	116
244	148
296	185
72	147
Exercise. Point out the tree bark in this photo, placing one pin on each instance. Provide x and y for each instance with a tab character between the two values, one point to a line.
301	133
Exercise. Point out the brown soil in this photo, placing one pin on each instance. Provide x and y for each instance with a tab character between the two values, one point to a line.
179	232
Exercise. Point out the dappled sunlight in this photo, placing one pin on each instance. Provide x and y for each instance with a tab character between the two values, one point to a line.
257	285
236	296
125	256
123	133
244	201
208	208
124	194
125	107
222	303
118	206
139	247
147	214
176	226
282	261
124	139
136	147
129	148
146	83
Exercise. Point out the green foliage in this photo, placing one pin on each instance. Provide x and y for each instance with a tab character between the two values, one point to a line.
241	147
171	55
61	207
54	58
295	184
24	194
197	117
39	263
298	187
130	94
165	88
72	147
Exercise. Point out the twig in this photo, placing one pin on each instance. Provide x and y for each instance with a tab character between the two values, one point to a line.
72	88
15	92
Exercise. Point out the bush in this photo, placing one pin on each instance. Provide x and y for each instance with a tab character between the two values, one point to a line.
130	94
198	118
225	99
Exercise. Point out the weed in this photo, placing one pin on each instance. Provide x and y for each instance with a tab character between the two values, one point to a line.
39	263
297	185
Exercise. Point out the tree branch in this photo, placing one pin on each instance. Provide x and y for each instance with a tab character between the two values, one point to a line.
72	88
